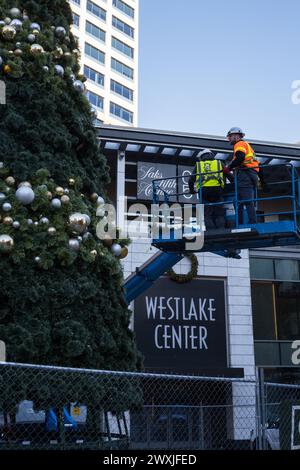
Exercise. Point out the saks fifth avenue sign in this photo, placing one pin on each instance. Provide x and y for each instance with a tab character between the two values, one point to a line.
182	326
147	172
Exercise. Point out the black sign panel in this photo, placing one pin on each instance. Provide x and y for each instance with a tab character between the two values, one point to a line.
147	172
183	184
182	326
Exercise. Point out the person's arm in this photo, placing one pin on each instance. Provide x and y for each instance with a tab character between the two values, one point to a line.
229	176
239	158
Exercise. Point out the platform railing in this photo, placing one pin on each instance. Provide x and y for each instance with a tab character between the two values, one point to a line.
233	198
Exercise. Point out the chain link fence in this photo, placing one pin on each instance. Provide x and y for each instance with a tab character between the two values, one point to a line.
43	407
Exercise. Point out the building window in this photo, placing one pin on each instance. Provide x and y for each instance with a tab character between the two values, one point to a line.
288	310
262	268
124	8
93	75
122	68
76	20
93	52
97	122
120	112
123	27
95	31
77	2
121	90
95	100
122	47
96	10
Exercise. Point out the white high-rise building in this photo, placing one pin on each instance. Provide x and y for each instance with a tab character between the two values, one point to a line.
107	31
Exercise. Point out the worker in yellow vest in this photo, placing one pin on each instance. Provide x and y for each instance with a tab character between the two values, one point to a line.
208	175
247	167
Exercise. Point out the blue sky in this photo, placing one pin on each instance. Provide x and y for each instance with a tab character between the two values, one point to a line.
205	66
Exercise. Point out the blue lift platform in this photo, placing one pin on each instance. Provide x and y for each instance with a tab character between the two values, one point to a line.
175	243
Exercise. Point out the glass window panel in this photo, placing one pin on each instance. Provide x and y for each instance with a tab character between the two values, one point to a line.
263	311
261	268
287	269
288	310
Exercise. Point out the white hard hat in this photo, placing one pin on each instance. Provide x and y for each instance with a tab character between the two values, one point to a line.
236	130
204	152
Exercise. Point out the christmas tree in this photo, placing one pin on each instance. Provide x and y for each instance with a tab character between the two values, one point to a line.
61	297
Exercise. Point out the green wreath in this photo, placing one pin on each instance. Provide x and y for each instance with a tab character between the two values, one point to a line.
181	278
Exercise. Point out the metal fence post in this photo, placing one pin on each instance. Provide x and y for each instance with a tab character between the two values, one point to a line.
261	411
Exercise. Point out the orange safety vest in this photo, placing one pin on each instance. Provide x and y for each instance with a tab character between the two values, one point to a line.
250	157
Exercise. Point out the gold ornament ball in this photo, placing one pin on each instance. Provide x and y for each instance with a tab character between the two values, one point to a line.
107	241
94	253
124	252
76	52
52	231
7	220
10	53
6	243
7	68
71	181
26	184
58	53
49	195
10	181
59	191
78	222
36	49
35	31
9	32
65	199
18	52
94	197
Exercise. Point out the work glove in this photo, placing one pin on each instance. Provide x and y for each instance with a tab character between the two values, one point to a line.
226	170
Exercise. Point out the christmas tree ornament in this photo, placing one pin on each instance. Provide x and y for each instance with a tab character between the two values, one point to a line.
100	212
37	259
67	40
44	221
52	231
66	191
15	12
7	68
87	236
35	32
1	165
2	23
35	26
18	44
31	38
18	52
94	253
72	77
59	191
59	70
79	86
2	197
10	53
16	224
116	249
71	182
124	252
1	62
107	240
49	195
78	222
67	55
79	239
25	195
7	220
58	53
24	184
100	201
10	181
88	219
6	207
8	32
60	32
36	224
74	244
36	49
29	221
65	199
7	20
56	203
46	68
6	243
17	24
94	197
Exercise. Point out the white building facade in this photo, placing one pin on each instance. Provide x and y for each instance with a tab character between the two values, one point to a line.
108	32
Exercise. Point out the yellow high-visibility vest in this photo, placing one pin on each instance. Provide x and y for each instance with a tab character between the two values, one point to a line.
205	174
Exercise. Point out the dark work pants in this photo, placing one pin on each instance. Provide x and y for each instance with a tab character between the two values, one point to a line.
214	216
247	183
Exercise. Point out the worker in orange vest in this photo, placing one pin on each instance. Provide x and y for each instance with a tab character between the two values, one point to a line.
247	167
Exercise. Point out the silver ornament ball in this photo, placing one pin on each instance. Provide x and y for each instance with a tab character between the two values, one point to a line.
7	20
29	221
79	86
25	195
87	236
16	224
6	207
17	24
116	249
36	49
52	231
78	222
2	197
44	221
88	219
6	243
31	38
74	244
46	68
37	259
35	26
60	32
100	201
59	70
15	12
56	203
2	23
